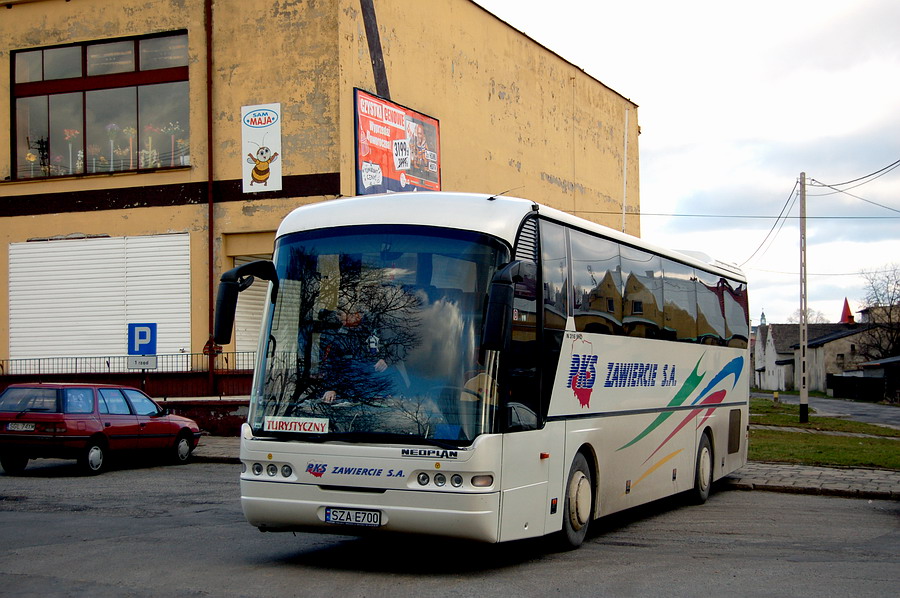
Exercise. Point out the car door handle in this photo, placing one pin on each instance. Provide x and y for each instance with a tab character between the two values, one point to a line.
106	424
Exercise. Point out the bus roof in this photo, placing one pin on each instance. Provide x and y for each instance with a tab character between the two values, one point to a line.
495	215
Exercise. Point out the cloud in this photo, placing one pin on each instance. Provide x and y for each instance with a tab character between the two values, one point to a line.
735	101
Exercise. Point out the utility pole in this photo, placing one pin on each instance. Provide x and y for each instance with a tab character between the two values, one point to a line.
804	387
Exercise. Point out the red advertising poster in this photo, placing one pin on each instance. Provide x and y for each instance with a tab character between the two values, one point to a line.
397	149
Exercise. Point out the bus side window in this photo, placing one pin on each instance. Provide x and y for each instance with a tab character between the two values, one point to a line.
596	284
643	300
710	315
736	313
680	302
555	273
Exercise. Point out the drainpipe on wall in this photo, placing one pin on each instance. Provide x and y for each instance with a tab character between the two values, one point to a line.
210	216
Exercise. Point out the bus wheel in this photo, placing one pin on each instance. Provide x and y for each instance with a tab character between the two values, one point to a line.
703	472
579	504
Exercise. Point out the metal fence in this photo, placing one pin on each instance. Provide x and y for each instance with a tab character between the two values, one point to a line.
167	363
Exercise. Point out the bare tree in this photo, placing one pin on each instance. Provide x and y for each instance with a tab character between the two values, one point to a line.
881	312
812	317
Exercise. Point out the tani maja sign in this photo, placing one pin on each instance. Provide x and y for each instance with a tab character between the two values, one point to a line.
261	143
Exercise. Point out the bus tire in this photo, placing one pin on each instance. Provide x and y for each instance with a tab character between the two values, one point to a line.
578	508
703	472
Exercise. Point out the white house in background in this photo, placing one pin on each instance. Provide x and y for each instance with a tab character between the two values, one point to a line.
777	353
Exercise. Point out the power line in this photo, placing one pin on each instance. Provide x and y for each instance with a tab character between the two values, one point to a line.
872	175
860	198
750	216
815	274
784	208
735	216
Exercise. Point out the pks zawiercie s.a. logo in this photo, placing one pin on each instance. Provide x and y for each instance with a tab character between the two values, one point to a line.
316	469
582	376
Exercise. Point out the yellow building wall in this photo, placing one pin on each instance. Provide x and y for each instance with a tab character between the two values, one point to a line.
285	53
514	116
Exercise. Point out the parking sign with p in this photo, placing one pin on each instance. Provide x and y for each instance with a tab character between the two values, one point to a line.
142	339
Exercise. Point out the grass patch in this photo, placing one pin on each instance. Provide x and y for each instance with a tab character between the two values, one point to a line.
766	412
820	449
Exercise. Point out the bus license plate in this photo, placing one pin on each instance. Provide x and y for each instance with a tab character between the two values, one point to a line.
352	516
20	427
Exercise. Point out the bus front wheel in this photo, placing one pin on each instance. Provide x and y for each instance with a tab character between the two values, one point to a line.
579	504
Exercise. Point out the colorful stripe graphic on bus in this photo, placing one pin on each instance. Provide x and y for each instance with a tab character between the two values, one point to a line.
704	400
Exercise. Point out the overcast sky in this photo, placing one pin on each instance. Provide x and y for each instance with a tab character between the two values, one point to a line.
735	101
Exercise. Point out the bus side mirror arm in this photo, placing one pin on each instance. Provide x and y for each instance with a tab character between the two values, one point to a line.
231	284
498	312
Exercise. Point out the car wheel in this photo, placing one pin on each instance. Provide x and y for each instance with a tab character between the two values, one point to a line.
13	464
578	508
181	452
93	459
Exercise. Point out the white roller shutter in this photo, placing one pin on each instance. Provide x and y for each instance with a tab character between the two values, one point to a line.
158	288
250	305
76	297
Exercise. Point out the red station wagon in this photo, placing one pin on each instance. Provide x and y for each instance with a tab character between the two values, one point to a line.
87	422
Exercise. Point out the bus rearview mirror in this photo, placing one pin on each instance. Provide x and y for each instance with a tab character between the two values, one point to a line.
231	284
498	312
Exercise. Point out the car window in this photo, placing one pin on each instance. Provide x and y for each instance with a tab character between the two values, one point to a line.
115	401
141	403
28	399
79	400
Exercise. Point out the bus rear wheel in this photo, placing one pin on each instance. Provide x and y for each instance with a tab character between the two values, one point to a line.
579	504
703	472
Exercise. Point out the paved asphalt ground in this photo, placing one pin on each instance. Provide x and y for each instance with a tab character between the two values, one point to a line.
774	477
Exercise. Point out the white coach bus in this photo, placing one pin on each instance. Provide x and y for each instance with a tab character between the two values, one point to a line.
483	367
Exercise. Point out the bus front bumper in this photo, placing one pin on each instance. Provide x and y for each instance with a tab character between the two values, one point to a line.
274	506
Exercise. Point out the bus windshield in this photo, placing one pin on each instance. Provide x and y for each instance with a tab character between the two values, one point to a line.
374	336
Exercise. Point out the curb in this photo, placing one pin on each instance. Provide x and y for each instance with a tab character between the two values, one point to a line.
737	484
847	482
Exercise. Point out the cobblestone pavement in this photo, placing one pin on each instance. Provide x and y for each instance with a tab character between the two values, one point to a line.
774	477
805	479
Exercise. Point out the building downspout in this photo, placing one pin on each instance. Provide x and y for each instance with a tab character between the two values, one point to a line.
210	215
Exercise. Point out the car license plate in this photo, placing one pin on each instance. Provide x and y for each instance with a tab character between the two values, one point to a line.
352	516
20	426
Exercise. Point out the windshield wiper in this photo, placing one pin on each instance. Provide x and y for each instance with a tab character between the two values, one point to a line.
383	437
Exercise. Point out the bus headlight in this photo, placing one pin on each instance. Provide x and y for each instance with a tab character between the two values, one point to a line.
286	471
423	479
456	480
272	469
440	479
257	469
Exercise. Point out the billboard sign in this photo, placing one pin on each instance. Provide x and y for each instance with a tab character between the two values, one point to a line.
397	149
